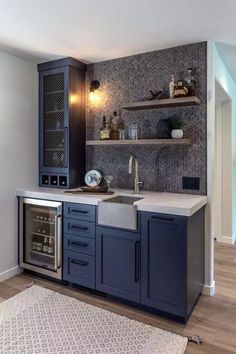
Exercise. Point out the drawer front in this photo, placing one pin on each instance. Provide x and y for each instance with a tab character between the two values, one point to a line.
79	269
79	244
80	211
79	228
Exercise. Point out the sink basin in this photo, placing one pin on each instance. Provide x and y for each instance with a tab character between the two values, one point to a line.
118	212
122	199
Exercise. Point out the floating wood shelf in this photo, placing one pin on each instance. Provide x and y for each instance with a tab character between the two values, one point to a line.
162	103
140	142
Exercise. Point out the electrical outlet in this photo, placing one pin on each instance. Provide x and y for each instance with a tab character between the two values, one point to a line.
191	183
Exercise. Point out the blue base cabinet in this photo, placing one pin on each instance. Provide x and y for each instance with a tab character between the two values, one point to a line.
160	267
79	244
118	263
79	269
172	271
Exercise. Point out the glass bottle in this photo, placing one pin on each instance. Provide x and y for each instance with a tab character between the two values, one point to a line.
190	82
114	127
45	245
61	144
105	130
40	244
50	246
172	86
34	243
102	128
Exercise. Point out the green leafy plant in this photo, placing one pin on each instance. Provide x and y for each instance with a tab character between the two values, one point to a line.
174	123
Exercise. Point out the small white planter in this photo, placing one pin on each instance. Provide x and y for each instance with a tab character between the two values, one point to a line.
177	133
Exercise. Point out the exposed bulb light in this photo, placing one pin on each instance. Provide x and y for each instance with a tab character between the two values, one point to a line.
94	93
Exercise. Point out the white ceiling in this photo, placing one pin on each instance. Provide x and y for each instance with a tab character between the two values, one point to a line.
95	30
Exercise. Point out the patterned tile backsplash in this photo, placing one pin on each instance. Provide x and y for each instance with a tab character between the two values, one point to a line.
128	80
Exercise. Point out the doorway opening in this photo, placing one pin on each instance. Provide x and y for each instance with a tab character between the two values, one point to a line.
222	192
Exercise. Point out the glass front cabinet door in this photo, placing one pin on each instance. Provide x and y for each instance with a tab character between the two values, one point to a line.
41	236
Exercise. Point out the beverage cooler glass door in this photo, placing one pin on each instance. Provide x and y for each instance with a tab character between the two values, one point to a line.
41	236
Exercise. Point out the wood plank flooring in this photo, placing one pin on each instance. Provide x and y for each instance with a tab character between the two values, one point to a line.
214	318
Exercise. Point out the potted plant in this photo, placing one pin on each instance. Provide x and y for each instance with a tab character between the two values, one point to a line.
175	126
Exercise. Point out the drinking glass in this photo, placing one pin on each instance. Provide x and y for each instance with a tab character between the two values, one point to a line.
133	132
121	134
108	180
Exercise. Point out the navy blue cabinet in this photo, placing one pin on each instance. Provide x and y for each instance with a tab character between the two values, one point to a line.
118	263
172	256
61	123
161	269
80	211
79	244
79	269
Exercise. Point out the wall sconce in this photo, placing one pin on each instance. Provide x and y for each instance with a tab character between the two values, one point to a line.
94	85
94	94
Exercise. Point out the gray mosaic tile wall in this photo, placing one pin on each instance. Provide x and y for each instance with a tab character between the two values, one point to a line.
127	80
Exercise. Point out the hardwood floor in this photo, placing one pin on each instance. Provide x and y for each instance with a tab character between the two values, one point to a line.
214	318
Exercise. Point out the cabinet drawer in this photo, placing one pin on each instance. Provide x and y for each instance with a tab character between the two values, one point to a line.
79	269
79	244
80	211
79	228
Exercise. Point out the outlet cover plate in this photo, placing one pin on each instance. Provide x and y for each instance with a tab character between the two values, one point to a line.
192	183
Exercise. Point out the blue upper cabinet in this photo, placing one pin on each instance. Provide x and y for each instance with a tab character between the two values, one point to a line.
118	263
62	123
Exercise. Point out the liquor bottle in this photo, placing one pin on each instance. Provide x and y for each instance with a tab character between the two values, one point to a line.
50	246
61	144
190	82
114	127
102	128
57	125
34	243
180	89
172	86
105	130
45	245
40	245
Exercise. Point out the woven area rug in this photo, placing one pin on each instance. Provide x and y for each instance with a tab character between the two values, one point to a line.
39	320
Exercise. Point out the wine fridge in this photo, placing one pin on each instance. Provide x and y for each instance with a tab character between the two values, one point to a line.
41	236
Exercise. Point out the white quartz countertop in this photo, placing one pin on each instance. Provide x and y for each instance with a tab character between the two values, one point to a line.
166	203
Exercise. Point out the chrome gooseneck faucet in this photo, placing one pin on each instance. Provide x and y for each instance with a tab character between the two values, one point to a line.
137	183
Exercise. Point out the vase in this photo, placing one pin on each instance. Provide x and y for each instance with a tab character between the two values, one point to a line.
177	133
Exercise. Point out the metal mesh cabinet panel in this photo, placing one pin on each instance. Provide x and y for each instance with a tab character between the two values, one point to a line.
62	123
54	139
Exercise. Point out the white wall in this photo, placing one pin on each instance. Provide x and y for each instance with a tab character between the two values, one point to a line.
217	71
18	148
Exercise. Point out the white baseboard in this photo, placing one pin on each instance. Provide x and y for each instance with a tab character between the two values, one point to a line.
10	273
226	239
209	290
